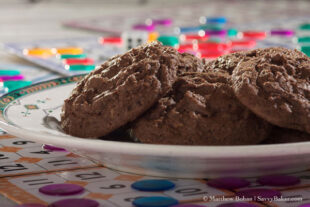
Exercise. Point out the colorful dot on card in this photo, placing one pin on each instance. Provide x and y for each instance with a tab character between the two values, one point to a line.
187	205
282	32
305	39
213	20
61	189
80	67
305	26
68	50
65	56
237	204
232	32
39	52
211	27
77	61
9	72
278	180
144	27
153	185
168	40
153	36
52	148
228	183
13	85
163	22
259	192
216	32
305	49
30	205
254	34
11	77
110	40
155	201
75	202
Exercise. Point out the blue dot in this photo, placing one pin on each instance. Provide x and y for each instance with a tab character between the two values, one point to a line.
153	185
220	20
155	201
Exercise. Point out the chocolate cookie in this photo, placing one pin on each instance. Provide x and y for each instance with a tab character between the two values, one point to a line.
281	135
275	84
226	62
120	90
201	110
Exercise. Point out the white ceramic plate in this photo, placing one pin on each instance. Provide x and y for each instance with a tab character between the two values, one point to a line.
29	113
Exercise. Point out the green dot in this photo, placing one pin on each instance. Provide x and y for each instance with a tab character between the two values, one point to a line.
214	27
305	26
305	49
80	67
232	32
168	40
13	85
9	72
305	39
66	56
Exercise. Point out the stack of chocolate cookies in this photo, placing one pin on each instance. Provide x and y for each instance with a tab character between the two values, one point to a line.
164	97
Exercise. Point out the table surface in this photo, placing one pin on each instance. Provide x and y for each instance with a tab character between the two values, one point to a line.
23	20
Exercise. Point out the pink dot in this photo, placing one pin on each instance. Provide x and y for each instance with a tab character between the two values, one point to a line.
61	189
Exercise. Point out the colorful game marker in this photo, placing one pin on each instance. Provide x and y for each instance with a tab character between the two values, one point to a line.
68	50
155	201
162	22
228	183
13	85
39	52
75	202
282	32
61	189
153	185
278	180
80	67
168	40
110	40
66	56
259	35
144	27
52	148
77	61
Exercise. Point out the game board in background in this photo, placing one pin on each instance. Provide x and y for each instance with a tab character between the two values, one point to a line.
89	50
31	73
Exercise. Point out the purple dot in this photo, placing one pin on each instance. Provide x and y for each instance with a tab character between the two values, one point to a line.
75	202
165	22
216	32
237	204
52	148
31	205
278	180
61	189
305	205
145	27
228	183
187	205
283	32
259	192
